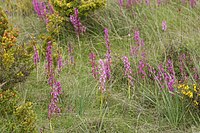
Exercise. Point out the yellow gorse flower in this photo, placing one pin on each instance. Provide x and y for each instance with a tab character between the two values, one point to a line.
189	94
20	74
69	5
8	59
186	87
190	91
195	87
196	103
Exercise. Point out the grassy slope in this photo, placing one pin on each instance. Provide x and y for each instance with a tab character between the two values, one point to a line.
144	112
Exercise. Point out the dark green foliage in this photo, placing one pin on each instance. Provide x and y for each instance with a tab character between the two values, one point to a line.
15	60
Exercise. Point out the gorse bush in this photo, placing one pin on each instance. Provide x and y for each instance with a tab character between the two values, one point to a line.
66	7
16	117
69	11
15	60
55	24
25	117
8	100
3	23
59	13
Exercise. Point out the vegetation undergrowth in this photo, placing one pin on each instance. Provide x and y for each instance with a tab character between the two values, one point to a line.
125	67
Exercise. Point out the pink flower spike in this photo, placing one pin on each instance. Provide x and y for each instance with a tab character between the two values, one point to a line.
121	3
75	20
164	25
128	70
183	2
92	57
129	3
102	78
53	105
137	37
108	53
147	2
59	63
159	2
193	3
36	56
43	9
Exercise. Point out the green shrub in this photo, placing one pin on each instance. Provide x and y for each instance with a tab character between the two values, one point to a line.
66	7
55	24
3	24
8	100
15	60
16	118
58	22
25	118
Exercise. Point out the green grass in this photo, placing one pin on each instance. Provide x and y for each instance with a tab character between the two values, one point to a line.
149	109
